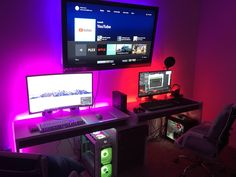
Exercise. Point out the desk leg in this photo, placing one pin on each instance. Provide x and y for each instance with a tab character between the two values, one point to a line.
17	147
131	147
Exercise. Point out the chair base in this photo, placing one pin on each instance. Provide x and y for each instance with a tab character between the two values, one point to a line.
194	164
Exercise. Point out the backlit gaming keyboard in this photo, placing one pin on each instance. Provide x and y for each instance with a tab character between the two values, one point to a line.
57	124
155	105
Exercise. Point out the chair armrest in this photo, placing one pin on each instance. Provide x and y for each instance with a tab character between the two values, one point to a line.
192	136
199	143
200	129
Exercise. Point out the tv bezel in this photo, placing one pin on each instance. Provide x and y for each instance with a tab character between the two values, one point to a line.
150	95
71	67
65	107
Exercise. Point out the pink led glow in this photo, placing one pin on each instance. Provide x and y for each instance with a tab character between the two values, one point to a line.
13	144
36	49
25	115
101	104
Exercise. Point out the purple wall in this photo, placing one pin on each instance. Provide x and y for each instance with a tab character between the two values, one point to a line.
216	62
31	44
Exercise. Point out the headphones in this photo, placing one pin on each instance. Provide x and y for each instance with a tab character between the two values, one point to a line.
175	91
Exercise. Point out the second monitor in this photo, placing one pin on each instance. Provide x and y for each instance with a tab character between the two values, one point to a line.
153	83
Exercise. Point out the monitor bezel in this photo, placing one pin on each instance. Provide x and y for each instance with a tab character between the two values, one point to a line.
71	67
150	95
65	107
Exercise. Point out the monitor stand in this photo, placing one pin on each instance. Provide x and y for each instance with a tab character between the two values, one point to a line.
48	114
74	110
149	98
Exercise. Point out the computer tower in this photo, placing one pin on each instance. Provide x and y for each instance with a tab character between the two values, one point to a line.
119	100
99	153
177	125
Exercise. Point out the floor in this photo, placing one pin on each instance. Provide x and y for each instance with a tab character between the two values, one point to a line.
159	162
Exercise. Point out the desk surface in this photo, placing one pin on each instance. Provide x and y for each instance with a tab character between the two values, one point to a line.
184	106
112	118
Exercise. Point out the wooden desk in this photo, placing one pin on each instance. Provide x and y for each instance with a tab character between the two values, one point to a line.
112	118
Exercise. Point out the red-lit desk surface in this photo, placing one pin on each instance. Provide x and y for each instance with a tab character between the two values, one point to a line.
112	118
188	105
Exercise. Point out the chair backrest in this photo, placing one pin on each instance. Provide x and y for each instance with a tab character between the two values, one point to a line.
220	129
22	165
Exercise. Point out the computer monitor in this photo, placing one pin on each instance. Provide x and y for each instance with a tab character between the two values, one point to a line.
101	35
153	83
56	91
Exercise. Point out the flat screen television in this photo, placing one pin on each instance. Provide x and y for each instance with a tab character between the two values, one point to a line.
106	35
56	91
154	83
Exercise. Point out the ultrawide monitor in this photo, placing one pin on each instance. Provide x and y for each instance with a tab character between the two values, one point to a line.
154	83
50	92
105	35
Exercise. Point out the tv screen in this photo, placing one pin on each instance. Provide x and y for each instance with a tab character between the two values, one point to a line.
154	82
105	35
49	92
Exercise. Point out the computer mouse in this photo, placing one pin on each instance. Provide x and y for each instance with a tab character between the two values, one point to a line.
33	128
138	110
99	116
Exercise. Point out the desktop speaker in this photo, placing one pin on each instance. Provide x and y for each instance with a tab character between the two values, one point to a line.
119	100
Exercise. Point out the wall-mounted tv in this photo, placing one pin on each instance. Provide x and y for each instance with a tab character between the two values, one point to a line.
106	35
57	91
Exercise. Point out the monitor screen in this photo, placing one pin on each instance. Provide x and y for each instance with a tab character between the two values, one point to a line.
154	83
105	35
49	92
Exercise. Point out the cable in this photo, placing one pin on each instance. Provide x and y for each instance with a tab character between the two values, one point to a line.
57	146
157	131
71	144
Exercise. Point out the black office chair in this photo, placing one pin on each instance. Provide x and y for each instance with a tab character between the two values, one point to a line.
207	140
35	165
22	165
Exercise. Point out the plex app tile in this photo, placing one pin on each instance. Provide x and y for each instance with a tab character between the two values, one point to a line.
101	49
92	50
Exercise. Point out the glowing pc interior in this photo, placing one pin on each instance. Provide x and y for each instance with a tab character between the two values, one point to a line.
50	92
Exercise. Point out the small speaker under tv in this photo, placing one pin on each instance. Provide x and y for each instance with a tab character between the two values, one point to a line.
119	100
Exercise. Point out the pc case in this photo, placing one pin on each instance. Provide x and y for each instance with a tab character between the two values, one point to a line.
177	125
99	153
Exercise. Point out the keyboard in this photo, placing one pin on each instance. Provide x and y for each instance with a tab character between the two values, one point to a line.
155	105
57	124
